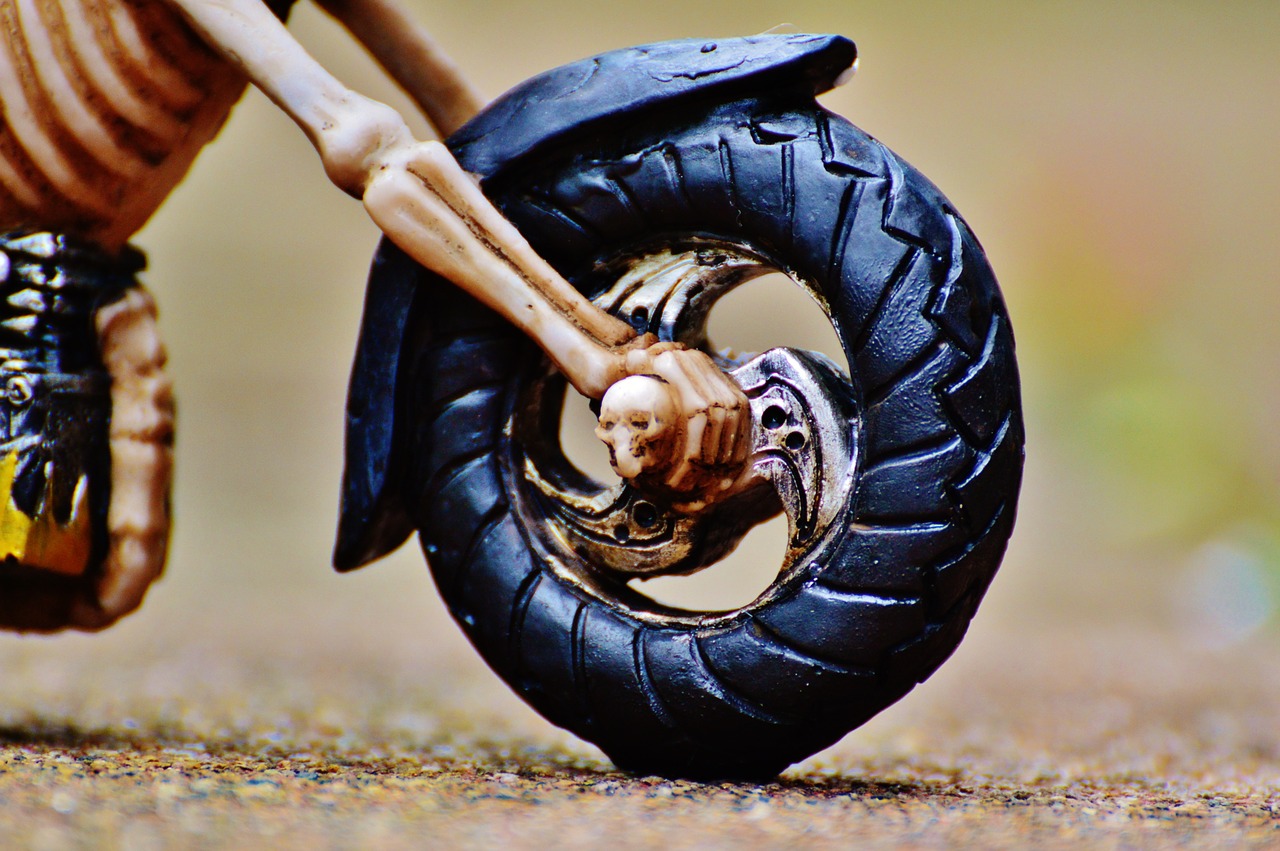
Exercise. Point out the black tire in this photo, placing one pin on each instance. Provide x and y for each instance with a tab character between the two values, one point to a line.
931	358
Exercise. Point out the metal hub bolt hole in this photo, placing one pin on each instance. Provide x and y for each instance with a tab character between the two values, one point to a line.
645	515
774	417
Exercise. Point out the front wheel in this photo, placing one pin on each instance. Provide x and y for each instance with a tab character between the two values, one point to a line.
898	469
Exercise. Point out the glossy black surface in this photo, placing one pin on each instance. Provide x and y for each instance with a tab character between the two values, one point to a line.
637	84
55	402
930	355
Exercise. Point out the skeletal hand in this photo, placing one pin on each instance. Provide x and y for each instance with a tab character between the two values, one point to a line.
677	424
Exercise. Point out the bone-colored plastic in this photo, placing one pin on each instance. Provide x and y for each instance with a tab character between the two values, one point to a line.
141	443
107	102
422	199
412	58
105	105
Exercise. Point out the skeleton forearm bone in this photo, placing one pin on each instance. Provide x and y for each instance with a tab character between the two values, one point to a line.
436	213
417	194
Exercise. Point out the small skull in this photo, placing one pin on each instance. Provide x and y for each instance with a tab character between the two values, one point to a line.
638	420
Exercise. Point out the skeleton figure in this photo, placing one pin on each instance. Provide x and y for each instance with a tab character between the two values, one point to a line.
105	104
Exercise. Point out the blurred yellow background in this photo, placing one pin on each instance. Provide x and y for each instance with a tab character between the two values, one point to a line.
1115	158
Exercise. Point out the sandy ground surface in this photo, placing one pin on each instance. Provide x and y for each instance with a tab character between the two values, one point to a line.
354	728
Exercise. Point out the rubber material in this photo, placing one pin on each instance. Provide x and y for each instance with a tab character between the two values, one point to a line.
374	519
634	83
624	86
931	357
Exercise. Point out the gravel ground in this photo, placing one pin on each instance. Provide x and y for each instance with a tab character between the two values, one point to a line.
323	731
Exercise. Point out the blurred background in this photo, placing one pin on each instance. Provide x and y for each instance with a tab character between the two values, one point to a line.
1117	160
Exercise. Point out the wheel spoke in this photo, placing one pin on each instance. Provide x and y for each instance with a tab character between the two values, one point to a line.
803	436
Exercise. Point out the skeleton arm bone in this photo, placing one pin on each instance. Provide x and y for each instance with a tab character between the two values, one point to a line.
409	54
417	194
436	213
422	199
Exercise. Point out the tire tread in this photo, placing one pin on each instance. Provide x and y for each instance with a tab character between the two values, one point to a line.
932	355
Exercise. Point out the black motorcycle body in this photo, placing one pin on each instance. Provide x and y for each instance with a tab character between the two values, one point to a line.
719	149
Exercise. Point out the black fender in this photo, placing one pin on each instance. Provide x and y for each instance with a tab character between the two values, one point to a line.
372	520
632	84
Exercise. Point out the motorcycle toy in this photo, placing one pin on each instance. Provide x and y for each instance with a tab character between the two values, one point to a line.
577	231
657	179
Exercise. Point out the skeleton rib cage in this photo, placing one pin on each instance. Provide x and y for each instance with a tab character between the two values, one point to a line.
105	104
